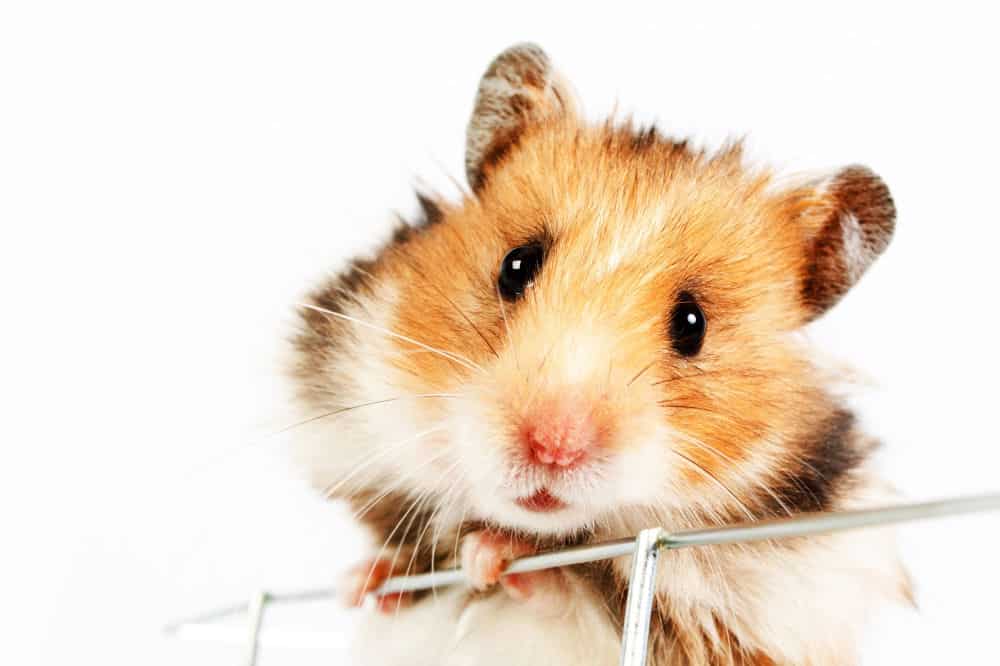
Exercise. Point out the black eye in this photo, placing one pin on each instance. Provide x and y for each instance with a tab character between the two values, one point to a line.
687	326
518	270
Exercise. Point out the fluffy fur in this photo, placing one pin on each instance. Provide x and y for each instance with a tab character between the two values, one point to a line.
415	378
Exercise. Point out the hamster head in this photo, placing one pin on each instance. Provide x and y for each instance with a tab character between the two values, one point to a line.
602	328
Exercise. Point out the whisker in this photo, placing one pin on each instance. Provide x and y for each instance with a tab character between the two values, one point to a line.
707	447
399	483
413	504
744	373
435	534
716	480
385	544
717	452
674	405
372	403
711	449
640	374
458	499
445	354
415	507
693	375
457	309
458	532
424	499
437	510
330	490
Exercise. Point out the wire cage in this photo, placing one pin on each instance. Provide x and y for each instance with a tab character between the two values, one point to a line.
644	548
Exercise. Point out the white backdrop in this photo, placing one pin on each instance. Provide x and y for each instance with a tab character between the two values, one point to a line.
173	174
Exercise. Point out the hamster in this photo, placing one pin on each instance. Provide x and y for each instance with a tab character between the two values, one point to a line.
599	337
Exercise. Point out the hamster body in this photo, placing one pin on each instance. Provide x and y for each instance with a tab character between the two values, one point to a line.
599	337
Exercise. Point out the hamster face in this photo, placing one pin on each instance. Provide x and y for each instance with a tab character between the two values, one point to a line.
602	329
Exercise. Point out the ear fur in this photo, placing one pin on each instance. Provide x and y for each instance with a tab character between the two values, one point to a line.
849	223
519	87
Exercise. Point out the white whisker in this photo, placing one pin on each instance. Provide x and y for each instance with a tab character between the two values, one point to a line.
461	360
372	403
399	483
715	480
330	490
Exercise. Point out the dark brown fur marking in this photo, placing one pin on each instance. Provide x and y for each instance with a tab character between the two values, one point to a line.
353	281
821	469
316	338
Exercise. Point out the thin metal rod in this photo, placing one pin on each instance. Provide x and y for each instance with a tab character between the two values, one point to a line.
641	590
256	607
557	558
273	598
204	618
809	524
798	526
780	528
642	582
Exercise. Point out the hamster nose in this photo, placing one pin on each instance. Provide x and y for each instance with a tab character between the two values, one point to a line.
559	436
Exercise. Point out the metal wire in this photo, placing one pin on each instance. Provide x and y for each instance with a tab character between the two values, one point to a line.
221	613
645	549
805	524
558	558
809	524
257	605
641	592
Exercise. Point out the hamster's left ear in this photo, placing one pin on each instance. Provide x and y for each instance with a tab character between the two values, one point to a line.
848	220
520	87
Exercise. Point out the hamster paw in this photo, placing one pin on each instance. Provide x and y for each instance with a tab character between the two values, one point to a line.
365	578
485	556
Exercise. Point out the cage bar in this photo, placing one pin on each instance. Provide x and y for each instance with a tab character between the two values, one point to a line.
645	550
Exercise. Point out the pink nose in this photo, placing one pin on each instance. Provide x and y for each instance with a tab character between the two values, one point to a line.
559	436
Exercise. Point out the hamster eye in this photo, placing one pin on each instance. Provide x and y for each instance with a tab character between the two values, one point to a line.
687	326
518	270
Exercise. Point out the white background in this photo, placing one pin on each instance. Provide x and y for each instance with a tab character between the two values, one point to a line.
173	174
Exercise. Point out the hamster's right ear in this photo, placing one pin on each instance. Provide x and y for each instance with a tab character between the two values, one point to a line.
848	219
519	87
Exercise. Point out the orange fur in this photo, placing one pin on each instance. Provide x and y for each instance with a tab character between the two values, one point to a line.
629	220
599	196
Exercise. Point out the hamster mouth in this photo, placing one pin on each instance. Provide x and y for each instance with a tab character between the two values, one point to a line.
541	502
